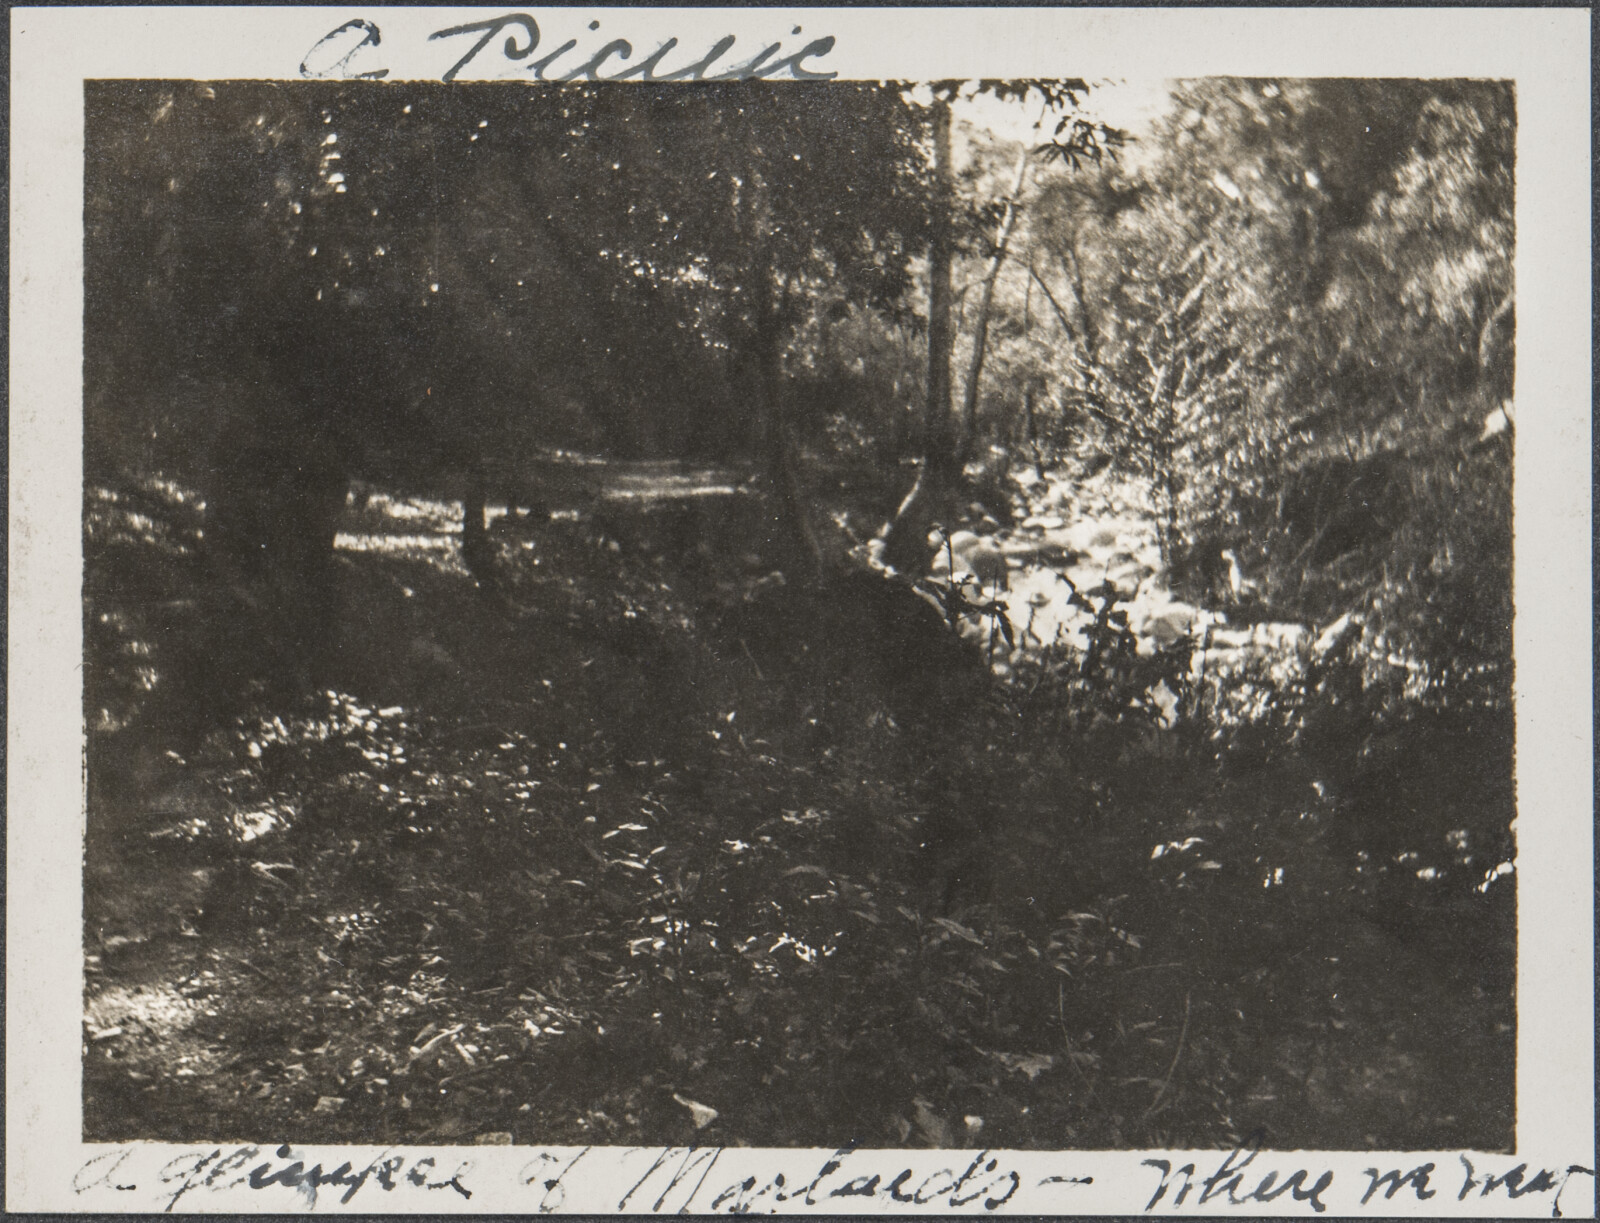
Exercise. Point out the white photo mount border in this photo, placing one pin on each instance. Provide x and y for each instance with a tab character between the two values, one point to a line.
1542	50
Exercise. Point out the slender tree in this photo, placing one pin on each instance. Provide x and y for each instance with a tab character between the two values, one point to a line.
1010	210
906	537
1074	141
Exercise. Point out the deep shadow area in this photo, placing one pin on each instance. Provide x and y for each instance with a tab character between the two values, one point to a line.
645	832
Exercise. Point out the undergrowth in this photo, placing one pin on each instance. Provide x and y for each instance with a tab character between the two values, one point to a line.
589	859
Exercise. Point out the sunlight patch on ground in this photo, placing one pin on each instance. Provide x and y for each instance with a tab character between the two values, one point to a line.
418	513
662	482
156	1009
390	544
441	551
253	825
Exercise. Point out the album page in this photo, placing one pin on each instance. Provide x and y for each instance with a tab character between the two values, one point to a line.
846	610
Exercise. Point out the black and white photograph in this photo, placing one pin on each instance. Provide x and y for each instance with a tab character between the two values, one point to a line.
800	613
675	595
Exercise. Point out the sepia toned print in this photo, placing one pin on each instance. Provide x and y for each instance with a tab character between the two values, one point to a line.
800	614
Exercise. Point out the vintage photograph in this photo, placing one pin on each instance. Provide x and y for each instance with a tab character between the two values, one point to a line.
972	613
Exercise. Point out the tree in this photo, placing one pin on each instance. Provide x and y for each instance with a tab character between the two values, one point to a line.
1011	207
405	282
1177	364
905	538
1429	275
1296	316
1075	140
770	198
347	283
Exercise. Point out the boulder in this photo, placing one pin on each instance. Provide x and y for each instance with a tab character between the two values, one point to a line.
1168	622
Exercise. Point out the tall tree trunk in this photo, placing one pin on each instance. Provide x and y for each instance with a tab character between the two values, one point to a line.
1030	430
980	334
1087	329
906	544
272	512
799	549
798	542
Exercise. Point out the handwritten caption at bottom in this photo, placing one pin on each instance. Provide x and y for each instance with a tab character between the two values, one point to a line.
722	1180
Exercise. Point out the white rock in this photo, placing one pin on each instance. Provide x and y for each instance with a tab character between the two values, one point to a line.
1216	661
1278	637
1230	638
1169	622
1166	700
1333	634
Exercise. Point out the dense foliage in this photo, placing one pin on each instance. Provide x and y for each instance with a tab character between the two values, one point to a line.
1173	798
1295	318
